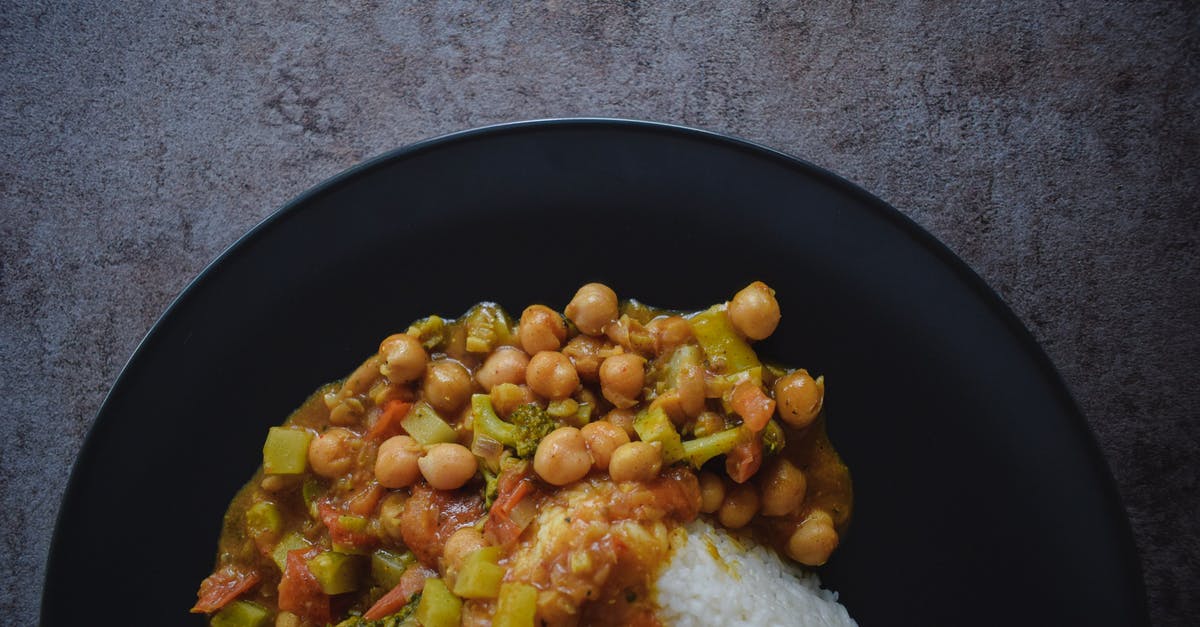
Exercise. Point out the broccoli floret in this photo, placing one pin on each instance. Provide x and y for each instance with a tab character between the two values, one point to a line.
400	619
527	425
533	424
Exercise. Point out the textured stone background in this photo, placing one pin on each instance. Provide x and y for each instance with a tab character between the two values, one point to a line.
1054	146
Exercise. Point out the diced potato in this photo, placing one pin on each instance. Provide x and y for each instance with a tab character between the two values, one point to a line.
517	606
286	451
438	606
480	575
336	572
241	614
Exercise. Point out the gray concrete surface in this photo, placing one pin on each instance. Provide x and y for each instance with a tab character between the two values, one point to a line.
1054	146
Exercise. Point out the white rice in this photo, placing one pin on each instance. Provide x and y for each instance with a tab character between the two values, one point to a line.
744	584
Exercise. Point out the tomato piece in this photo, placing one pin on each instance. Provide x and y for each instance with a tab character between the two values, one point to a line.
745	458
299	591
223	586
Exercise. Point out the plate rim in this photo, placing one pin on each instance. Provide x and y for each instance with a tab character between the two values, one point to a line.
993	301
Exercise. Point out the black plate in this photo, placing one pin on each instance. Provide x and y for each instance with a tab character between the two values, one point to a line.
981	497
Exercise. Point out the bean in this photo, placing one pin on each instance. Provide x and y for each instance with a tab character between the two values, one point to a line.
602	439
562	457
739	507
405	358
783	487
635	461
799	398
593	307
551	374
622	418
332	453
459	545
505	365
621	379
586	352
447	466
447	385
813	540
396	463
754	311
712	492
541	329
670	332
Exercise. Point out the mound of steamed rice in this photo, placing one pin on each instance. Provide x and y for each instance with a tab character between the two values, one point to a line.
715	578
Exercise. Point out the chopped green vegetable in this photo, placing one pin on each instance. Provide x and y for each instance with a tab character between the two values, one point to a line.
562	408
388	566
336	572
701	450
426	426
727	352
480	575
290	542
438	607
517	606
773	438
654	425
402	618
431	331
263	520
490	487
309	492
529	424
487	326
286	451
241	614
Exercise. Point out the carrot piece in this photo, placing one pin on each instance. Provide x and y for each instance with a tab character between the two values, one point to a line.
753	405
388	423
411	582
223	586
299	591
744	459
511	489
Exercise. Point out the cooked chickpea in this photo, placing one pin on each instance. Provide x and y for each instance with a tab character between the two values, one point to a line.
635	461
447	466
669	332
390	512
712	492
586	352
562	457
798	398
602	439
621	379
594	307
504	365
405	358
814	540
541	329
708	423
783	487
552	375
739	507
396	462
459	545
288	619
754	311
332	453
622	418
447	385
689	384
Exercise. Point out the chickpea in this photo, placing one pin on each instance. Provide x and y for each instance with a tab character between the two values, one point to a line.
507	397
621	379
287	619
541	329
586	352
332	453
594	307
552	375
708	423
799	398
739	507
783	487
405	358
602	439
562	457
459	545
635	461
447	466
504	365
754	311
814	539
396	463
622	418
712	492
670	332
447	385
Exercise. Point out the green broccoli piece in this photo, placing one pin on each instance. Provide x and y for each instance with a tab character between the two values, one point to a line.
533	424
491	488
772	438
527	425
403	618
